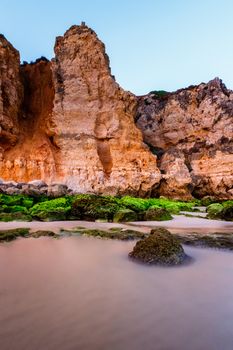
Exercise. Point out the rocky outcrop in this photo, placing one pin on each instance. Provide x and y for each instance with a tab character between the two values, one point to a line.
191	131
159	248
100	149
68	121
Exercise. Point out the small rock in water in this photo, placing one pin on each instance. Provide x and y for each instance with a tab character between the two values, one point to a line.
160	248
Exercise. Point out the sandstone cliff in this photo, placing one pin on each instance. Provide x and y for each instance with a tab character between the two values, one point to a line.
11	91
191	131
69	121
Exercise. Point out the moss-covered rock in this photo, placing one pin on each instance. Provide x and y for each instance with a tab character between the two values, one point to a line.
43	233
93	207
217	240
9	235
15	216
214	211
135	204
125	215
156	213
160	248
12	200
113	233
207	200
51	210
15	209
227	213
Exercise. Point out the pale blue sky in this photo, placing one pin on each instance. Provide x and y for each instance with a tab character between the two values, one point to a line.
152	44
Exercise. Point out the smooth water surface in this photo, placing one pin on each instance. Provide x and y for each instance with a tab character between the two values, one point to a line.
84	293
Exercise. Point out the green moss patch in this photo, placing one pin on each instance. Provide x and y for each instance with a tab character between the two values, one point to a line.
155	213
51	210
9	235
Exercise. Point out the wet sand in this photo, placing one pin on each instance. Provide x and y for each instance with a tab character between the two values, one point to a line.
179	224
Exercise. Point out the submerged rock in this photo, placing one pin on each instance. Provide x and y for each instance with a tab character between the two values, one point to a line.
113	233
160	248
216	240
9	235
43	233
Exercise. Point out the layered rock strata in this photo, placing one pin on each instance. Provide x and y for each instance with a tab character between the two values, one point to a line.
68	121
191	131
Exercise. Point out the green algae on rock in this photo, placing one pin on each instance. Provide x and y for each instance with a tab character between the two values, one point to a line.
216	240
51	210
125	215
43	233
159	248
156	213
9	235
113	233
223	211
214	211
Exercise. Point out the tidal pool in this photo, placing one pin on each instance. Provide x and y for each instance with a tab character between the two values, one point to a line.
83	293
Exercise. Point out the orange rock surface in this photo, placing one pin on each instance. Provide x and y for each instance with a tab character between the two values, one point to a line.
68	121
191	131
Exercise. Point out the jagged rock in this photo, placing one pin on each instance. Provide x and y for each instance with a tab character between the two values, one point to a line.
37	183
12	190
191	131
73	124
57	190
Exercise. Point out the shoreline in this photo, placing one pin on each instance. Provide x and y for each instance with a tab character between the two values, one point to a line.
179	224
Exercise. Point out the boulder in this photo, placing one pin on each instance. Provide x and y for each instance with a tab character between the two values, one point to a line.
214	211
37	183
57	190
124	215
160	248
156	213
227	213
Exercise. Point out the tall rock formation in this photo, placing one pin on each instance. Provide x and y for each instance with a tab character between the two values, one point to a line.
11	91
191	131
69	121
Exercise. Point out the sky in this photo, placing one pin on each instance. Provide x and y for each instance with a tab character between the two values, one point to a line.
152	44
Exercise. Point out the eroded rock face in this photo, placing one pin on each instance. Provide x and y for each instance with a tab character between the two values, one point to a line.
11	91
191	131
100	149
68	121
